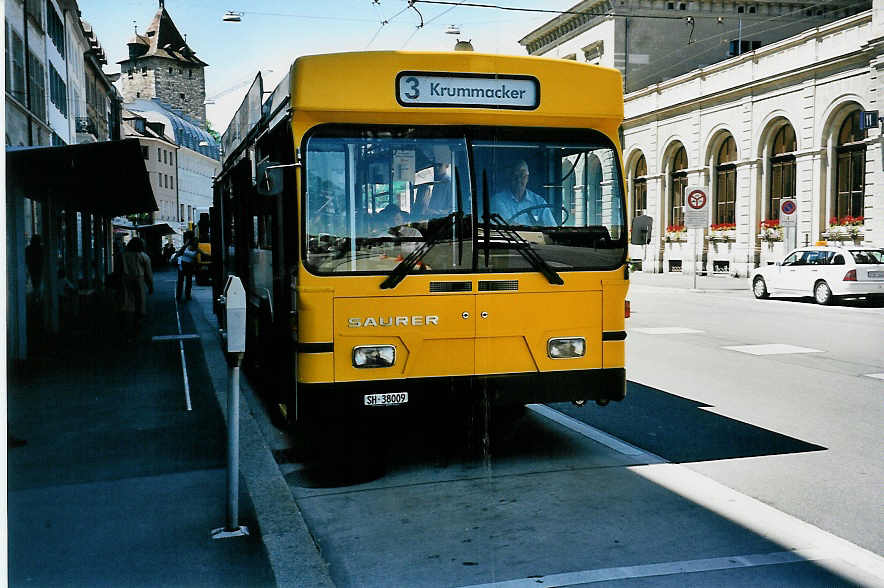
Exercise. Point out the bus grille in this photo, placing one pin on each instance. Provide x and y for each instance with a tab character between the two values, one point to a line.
451	286
498	285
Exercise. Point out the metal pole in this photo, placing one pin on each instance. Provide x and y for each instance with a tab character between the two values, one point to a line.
696	238
233	528
233	444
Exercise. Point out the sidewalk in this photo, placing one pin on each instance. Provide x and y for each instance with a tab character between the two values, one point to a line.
119	483
713	283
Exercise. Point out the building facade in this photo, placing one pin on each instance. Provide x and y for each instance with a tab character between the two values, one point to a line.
54	86
779	122
650	41
161	160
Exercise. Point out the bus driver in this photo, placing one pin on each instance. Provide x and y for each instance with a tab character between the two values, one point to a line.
517	197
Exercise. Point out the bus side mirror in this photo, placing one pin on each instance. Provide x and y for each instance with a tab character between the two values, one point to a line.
268	178
641	229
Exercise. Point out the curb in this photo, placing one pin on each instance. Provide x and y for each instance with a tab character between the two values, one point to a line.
294	556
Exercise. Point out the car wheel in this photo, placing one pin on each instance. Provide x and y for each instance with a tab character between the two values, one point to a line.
822	294
759	288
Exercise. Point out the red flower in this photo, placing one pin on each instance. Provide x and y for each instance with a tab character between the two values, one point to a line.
772	223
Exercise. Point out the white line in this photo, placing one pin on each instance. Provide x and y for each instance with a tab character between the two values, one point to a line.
841	556
174	337
876	376
772	349
809	542
659	569
183	360
596	435
665	330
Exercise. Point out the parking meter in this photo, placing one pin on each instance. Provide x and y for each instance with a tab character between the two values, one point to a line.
234	300
235	315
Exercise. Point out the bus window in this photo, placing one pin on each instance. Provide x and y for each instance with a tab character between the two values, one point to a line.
373	197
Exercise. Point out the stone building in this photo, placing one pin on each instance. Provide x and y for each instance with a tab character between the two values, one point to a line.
162	65
780	121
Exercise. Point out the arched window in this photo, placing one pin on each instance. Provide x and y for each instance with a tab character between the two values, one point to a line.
726	183
678	182
782	170
851	171
640	187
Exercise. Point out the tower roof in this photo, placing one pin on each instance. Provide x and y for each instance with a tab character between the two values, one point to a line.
164	40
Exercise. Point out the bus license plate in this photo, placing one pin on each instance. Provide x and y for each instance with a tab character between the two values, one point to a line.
386	399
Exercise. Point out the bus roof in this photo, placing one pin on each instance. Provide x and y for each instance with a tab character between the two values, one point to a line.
362	87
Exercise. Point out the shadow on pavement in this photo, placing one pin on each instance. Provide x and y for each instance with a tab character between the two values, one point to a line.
679	430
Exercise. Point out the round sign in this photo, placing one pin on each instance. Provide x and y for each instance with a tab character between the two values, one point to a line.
697	199
789	207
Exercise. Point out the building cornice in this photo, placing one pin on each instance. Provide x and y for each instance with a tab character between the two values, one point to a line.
807	71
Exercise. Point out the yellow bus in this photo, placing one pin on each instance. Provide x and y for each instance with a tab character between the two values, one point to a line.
421	229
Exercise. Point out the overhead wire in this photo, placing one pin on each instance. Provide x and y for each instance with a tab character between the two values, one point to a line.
437	17
385	23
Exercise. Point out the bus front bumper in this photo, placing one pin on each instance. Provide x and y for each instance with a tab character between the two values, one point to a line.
344	400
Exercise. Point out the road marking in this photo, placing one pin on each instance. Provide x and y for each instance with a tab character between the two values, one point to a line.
878	376
175	337
666	330
772	349
183	359
659	569
591	432
835	554
803	541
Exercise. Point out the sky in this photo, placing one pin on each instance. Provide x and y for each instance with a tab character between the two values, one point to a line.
273	33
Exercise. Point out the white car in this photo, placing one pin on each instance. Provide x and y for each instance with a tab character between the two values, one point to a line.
824	272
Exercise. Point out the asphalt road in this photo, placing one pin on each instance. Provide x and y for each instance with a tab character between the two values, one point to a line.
737	469
799	431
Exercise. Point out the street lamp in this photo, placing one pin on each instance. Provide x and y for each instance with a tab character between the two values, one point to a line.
232	16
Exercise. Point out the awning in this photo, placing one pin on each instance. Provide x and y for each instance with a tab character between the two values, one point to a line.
161	229
106	178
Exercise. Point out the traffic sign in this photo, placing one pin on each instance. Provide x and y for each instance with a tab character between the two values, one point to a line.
788	212
696	209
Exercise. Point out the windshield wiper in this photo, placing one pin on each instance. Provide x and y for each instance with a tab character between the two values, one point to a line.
400	271
523	247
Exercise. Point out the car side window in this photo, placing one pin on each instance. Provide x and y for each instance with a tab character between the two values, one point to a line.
792	258
838	260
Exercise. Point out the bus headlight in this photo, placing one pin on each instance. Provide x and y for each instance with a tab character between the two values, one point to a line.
374	356
566	347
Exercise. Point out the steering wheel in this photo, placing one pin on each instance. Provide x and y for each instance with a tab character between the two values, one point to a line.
538	207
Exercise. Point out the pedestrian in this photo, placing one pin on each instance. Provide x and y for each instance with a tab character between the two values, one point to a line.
137	282
187	258
34	262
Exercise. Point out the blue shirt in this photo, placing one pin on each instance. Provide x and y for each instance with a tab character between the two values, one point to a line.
504	203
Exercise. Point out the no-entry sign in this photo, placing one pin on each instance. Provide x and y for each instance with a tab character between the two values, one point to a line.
696	207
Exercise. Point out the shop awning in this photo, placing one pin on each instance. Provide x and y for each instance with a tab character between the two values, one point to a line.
106	178
161	229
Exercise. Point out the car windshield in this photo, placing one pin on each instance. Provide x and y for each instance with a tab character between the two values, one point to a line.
867	256
542	198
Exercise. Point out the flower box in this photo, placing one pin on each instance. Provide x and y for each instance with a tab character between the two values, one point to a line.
770	231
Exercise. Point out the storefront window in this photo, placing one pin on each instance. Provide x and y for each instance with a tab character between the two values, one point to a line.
782	170
726	183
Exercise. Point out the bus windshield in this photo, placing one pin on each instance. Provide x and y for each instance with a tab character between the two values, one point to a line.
461	199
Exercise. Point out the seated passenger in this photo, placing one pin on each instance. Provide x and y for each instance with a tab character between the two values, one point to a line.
511	202
434	198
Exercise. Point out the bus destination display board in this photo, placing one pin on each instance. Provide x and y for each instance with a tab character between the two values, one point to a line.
461	90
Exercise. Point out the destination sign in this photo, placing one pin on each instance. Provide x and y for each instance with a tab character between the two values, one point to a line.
467	90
